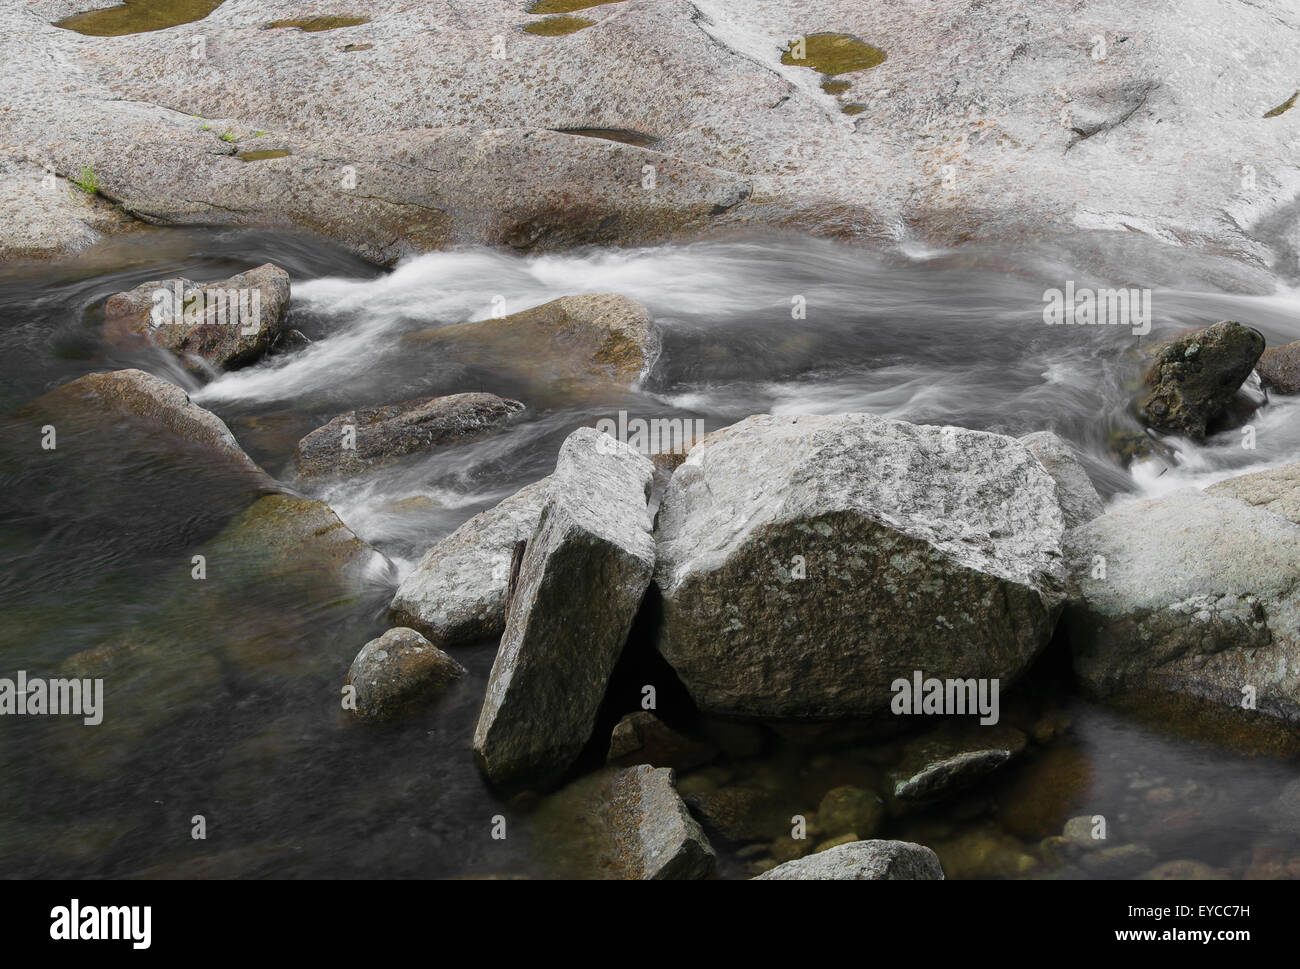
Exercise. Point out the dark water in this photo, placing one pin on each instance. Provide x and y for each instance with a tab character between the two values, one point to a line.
231	709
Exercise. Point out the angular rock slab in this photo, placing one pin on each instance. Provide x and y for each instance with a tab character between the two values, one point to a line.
226	323
581	581
925	548
1080	502
623	823
457	592
862	861
1200	596
372	437
396	671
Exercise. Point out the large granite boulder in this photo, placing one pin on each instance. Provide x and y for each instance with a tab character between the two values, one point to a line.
225	324
372	437
1276	490
456	594
806	563
862	861
1191	380
581	581
1192	594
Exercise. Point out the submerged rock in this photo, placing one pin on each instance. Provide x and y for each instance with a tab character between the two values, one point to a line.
1192	379
1044	790
226	324
177	472
739	813
949	759
642	738
1118	861
158	408
862	861
581	581
1079	499
806	563
600	337
623	823
397	671
1279	368
457	592
1198	596
851	809
372	437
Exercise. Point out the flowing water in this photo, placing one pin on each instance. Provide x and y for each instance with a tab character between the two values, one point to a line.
236	718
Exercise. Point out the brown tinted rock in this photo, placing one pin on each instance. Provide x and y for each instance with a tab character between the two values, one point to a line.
397	671
601	337
227	324
1279	368
642	738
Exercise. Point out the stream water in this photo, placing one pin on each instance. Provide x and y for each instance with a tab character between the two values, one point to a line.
289	787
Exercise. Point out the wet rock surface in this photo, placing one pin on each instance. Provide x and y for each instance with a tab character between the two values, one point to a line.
397	671
1279	368
624	823
224	324
604	338
372	437
1191	380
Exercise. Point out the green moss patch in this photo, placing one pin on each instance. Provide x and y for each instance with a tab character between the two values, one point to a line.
835	87
558	26
251	156
313	24
853	108
138	17
567	6
1284	107
834	54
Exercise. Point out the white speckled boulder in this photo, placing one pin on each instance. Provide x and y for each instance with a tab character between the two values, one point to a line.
925	548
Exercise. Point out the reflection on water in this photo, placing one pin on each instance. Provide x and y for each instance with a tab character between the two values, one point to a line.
223	696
